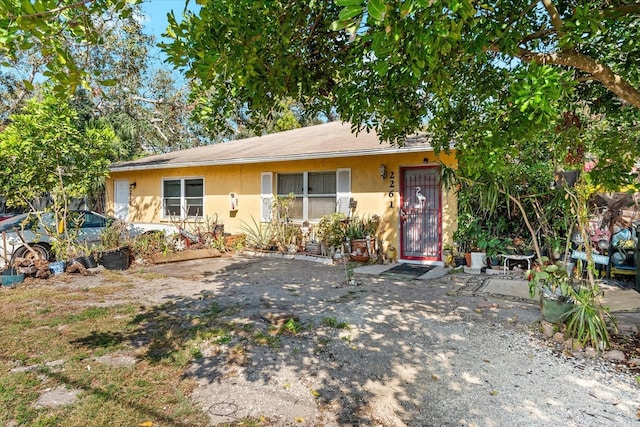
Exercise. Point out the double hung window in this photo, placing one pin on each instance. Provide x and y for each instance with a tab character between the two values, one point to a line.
182	198
316	193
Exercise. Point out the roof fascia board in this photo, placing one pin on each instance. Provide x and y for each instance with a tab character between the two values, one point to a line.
273	159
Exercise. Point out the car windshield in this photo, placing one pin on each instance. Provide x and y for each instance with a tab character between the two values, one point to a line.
75	220
12	223
26	221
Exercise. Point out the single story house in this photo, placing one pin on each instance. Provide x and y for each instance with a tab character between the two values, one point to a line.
327	167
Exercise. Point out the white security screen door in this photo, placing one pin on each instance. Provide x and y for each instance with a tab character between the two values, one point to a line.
121	199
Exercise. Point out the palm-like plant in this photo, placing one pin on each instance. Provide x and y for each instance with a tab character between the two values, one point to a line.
588	321
257	235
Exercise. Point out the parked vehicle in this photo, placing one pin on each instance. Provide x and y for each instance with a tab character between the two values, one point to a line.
4	216
27	229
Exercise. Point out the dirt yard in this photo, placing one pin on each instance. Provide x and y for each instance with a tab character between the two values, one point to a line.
385	351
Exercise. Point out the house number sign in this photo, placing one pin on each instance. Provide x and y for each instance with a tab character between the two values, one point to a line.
392	187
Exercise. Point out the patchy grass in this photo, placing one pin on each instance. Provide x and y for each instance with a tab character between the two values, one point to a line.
149	275
271	340
332	322
291	327
115	276
249	422
50	337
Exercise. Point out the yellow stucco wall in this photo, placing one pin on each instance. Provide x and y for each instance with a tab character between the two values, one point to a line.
367	188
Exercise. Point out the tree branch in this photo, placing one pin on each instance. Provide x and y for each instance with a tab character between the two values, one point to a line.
541	33
620	11
160	133
150	101
56	10
600	72
556	21
534	237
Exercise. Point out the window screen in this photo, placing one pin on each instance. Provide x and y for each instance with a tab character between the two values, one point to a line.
183	197
315	193
322	183
290	183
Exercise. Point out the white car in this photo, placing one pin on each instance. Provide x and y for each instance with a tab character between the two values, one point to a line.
27	228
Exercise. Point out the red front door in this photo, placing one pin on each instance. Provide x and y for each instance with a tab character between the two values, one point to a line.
420	213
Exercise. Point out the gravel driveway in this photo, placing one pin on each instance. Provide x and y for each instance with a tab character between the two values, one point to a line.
415	353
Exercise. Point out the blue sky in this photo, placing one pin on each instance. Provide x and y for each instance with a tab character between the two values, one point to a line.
155	21
156	14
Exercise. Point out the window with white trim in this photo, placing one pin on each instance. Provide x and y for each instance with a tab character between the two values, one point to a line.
316	193
182	198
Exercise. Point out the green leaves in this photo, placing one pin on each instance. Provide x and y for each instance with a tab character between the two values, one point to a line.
349	12
27	7
406	8
43	142
377	9
350	16
57	30
537	90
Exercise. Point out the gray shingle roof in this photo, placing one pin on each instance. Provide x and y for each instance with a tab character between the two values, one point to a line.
326	140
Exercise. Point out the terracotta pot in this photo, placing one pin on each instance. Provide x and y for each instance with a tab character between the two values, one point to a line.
359	250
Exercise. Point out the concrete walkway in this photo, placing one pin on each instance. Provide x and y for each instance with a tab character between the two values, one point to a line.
514	285
624	303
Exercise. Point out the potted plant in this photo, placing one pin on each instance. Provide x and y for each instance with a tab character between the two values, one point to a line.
493	247
555	287
356	236
114	253
466	236
330	232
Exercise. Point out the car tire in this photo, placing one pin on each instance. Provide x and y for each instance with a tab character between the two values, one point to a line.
40	251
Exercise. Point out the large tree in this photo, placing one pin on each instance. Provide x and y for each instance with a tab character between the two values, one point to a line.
259	51
62	32
250	59
392	65
492	73
46	150
121	80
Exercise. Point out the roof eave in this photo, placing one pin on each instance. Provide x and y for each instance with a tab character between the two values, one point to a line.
273	159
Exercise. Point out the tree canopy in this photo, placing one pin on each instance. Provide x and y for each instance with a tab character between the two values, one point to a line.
488	77
62	33
392	65
45	151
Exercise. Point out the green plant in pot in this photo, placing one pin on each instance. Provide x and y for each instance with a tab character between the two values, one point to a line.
360	233
330	231
550	279
589	319
492	246
114	236
355	230
555	287
466	236
579	307
114	252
